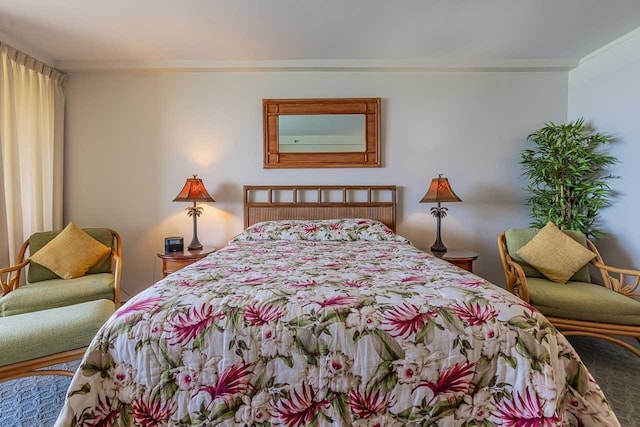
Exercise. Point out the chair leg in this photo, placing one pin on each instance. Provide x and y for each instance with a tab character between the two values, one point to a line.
609	338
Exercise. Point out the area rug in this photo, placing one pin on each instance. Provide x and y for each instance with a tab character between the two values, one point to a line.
36	401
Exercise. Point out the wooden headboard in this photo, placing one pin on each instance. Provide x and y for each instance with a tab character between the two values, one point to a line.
278	202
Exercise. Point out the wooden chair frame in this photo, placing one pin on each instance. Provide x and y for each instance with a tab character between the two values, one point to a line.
13	273
33	367
614	279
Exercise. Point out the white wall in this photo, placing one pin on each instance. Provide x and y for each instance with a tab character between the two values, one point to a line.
605	90
133	138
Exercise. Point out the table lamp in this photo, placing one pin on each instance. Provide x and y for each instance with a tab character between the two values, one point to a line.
439	191
194	191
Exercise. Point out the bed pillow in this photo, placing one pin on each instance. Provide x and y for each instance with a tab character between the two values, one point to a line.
341	230
71	253
555	254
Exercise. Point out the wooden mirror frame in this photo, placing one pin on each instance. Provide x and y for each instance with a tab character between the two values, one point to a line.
273	108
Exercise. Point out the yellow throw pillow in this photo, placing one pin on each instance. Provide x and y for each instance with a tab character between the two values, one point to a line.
71	253
555	254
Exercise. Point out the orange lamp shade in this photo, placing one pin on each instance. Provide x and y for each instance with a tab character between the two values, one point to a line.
440	191
194	191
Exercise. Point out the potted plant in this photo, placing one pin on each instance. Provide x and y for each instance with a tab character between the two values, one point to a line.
568	176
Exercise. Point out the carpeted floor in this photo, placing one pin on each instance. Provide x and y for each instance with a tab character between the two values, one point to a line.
618	373
35	401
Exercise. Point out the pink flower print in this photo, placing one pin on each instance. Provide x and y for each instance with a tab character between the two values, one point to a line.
147	305
475	314
262	314
337	363
471	283
268	334
406	319
525	305
364	319
420	267
408	373
357	284
523	411
336	301
301	284
452	380
155	331
188	283
232	383
332	265
335	226
105	414
257	279
409	279
152	413
185	327
301	408
122	374
186	379
205	265
308	229
255	410
373	270
369	404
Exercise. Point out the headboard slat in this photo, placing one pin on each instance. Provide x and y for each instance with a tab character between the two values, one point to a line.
357	201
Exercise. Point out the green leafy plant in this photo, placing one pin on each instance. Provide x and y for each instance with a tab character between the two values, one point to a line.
568	176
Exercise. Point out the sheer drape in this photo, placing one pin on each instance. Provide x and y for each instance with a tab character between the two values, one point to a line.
31	148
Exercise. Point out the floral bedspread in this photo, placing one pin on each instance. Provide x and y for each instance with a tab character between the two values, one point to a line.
323	333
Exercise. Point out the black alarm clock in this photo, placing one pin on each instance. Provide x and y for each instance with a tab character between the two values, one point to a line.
173	244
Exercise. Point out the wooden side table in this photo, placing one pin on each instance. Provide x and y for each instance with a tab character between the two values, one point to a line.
174	261
461	258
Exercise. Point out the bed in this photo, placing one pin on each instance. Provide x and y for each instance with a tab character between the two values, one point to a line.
319	314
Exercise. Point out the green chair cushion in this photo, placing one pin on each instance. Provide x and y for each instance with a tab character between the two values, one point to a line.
582	301
38	273
57	293
42	333
518	237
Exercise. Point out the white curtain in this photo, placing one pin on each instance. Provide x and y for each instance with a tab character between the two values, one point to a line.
31	149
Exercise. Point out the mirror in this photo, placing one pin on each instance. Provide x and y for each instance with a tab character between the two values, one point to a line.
330	133
324	132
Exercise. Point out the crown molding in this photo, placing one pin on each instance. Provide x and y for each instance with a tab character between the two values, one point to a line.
631	40
343	65
601	63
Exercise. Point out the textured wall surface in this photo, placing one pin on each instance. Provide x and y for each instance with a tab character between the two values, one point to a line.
134	137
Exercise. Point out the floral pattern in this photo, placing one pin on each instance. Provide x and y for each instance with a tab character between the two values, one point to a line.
340	230
330	333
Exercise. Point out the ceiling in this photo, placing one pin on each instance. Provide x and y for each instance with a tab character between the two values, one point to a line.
437	31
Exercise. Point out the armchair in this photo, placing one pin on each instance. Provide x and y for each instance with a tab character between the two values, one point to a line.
45	290
579	307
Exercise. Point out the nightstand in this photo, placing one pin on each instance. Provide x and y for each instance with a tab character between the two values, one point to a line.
174	261
461	258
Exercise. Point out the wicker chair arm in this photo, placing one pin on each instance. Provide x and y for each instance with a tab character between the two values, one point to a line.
12	274
519	283
516	281
117	273
623	281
